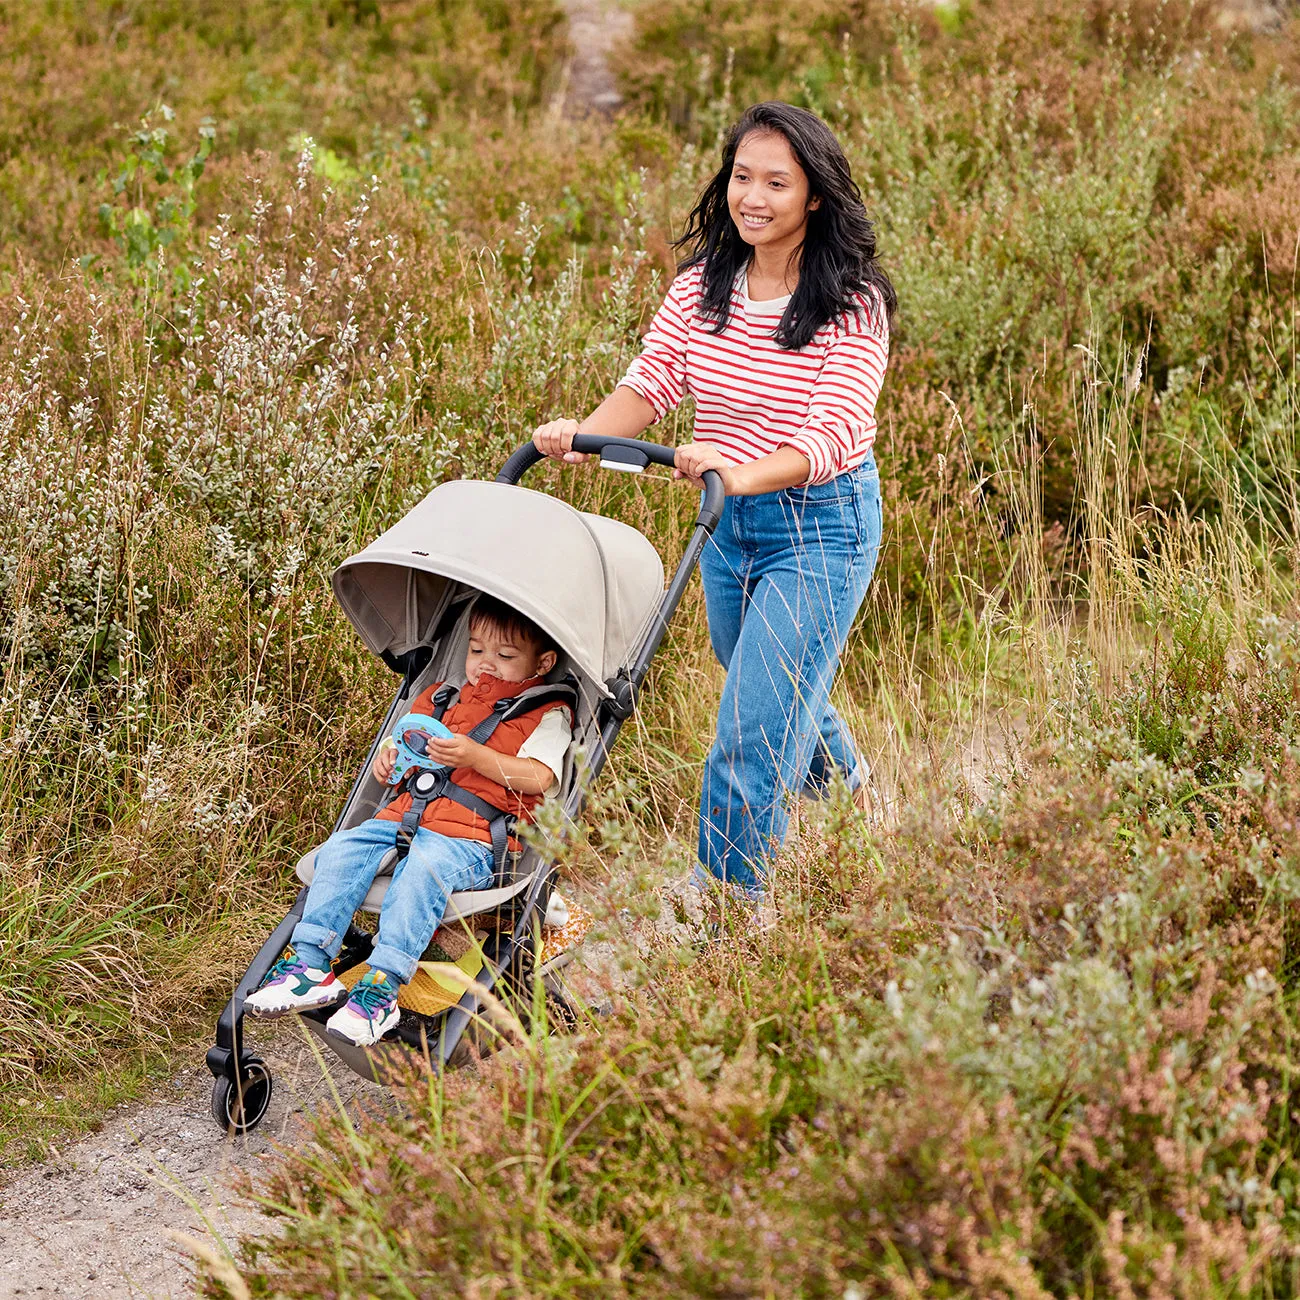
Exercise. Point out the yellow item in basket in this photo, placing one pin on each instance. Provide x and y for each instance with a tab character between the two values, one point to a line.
470	964
429	992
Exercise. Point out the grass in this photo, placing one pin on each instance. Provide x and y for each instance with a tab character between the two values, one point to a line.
1035	1042
1028	1034
1035	1045
40	1124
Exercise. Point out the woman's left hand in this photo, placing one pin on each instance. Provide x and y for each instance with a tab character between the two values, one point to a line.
694	458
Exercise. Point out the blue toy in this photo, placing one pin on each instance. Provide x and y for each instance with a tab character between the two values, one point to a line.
411	739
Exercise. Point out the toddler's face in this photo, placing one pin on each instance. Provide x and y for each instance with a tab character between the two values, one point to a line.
500	656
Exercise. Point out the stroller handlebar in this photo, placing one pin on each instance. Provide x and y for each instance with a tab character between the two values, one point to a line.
627	454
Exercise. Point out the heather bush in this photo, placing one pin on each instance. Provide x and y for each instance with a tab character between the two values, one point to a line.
1036	1046
682	59
1109	176
173	664
344	73
1027	1030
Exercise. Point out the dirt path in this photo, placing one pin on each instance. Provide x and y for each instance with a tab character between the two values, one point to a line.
94	1221
594	27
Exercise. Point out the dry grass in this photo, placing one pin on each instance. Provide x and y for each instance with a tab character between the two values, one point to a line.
1028	1036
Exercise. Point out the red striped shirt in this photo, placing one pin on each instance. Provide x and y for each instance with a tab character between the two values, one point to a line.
753	396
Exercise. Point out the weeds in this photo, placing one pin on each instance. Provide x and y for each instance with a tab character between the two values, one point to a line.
140	232
1040	1047
1030	1032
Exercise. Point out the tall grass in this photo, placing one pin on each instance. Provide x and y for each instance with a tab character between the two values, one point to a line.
1031	1041
1028	1032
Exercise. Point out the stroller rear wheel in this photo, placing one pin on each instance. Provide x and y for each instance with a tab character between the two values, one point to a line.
241	1107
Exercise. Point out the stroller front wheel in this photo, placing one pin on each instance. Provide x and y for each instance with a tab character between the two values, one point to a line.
241	1107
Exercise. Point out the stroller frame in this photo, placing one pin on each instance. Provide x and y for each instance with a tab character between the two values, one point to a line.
242	1082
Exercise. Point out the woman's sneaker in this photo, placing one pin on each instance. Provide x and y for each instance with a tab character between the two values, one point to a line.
369	1013
292	985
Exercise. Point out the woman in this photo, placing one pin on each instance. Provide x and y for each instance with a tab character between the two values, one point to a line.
778	325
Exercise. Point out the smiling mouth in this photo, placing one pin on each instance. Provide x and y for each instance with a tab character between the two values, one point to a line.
755	222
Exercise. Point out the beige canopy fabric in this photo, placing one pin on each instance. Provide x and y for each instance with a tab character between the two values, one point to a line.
591	582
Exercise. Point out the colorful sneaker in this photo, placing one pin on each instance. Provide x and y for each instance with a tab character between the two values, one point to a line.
369	1013
292	985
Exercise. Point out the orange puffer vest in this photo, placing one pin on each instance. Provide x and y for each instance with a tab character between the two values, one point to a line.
473	705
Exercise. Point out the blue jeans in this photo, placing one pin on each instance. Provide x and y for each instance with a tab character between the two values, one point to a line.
348	862
783	581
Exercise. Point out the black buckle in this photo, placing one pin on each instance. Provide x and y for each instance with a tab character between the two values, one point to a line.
622	704
424	782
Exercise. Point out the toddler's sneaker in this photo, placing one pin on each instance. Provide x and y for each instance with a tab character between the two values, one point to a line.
369	1013
292	985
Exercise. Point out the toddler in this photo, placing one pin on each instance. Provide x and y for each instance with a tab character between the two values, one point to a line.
452	848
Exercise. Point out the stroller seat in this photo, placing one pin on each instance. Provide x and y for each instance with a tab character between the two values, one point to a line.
459	906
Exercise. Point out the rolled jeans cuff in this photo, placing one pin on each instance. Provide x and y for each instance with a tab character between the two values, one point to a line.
328	941
394	961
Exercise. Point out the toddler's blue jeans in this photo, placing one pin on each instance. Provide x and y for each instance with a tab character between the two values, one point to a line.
783	581
346	865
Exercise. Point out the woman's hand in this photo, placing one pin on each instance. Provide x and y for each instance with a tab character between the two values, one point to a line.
556	440
783	468
694	458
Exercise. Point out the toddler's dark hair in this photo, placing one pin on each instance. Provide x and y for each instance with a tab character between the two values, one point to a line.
504	620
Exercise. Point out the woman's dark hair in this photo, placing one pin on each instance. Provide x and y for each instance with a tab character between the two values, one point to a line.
838	257
506	621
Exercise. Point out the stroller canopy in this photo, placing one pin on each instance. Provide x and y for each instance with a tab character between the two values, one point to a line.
591	582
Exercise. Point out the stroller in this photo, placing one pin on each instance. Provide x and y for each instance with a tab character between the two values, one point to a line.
597	587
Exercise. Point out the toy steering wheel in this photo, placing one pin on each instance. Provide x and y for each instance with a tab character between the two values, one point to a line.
411	739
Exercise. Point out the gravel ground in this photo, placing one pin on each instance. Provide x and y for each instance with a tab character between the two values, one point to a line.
95	1221
594	27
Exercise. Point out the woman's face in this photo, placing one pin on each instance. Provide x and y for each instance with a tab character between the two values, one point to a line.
768	193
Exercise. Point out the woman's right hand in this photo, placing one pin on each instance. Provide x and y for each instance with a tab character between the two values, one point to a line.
556	440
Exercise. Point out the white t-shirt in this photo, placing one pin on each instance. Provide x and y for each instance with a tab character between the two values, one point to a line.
762	306
549	743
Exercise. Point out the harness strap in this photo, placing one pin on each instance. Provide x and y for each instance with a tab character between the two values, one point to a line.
500	823
421	784
425	786
443	698
563	692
